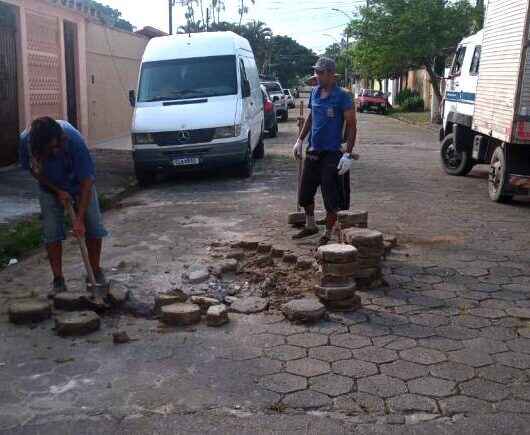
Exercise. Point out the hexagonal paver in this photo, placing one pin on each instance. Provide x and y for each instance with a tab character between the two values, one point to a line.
329	353
260	366
513	359
472	322
471	357
520	313
440	343
283	383
307	339
422	355
429	319
430	386
488	313
412	403
501	374
401	344
456	332
485	345
484	390
383	340
382	386
521	345
514	406
286	352
388	319
359	403
413	331
307	367
284	328
452	371
354	368
464	405
497	333
331	384
404	370
350	341
306	399
267	340
369	330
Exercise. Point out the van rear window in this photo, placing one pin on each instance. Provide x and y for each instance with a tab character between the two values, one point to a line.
188	78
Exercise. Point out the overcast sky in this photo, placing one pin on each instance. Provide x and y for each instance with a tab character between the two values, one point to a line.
313	23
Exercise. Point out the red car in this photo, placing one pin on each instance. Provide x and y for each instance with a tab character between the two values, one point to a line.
372	100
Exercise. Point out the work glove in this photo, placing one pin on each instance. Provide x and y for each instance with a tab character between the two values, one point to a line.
297	149
345	163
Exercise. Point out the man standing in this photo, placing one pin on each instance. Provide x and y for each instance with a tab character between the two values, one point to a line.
57	156
325	164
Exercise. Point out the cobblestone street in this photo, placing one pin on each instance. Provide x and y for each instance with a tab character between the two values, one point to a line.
444	348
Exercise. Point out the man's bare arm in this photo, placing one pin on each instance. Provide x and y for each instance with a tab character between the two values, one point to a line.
351	127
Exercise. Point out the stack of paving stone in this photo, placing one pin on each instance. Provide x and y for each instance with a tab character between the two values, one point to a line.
353	219
371	249
337	283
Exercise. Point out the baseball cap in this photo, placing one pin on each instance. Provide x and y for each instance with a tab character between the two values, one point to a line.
325	64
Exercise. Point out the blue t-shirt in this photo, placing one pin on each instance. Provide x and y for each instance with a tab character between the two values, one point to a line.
66	169
328	118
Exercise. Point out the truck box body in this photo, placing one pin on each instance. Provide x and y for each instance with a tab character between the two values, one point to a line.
502	104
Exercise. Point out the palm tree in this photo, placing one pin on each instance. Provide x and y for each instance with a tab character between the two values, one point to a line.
259	36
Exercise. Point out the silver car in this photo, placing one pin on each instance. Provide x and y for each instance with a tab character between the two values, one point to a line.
290	99
278	98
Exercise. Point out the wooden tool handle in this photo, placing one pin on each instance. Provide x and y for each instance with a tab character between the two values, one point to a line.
301	121
83	248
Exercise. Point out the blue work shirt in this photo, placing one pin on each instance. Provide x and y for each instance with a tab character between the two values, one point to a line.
328	118
66	169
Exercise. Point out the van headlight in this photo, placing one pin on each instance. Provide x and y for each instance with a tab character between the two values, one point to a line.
142	138
226	132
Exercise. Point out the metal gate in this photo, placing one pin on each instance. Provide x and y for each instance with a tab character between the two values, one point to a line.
8	96
70	61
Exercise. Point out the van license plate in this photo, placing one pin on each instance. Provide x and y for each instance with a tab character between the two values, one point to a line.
186	161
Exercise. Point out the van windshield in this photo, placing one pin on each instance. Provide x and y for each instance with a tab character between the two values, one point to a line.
188	78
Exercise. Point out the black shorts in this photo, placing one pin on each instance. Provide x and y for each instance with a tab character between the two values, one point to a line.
320	169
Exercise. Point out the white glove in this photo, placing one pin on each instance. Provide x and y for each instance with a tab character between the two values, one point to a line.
345	164
297	149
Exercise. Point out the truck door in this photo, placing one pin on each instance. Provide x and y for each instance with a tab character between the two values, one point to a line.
453	94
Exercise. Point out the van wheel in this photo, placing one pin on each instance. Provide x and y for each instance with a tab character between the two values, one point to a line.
454	162
247	167
273	132
498	177
285	116
145	178
259	151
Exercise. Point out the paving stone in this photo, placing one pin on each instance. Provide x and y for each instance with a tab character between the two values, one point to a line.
522	391
164	299
329	353
328	328
32	311
340	269
283	383
375	354
404	370
337	253
513	406
471	357
307	367
521	345
264	248
331	384
382	386
250	244
430	386
284	328
350	341
452	371
286	352
401	344
304	310
354	368
217	315
467	321
197	274
384	340
464	405
484	390
336	293
359	403
228	265
307	339
389	319
501	374
305	263
412	403
267	340
289	258
431	320
250	305
488	313
369	330
456	333
236	254
71	301
345	305
440	343
77	323
422	355
513	359
520	313
485	345
306	399
414	331
353	218
497	333
180	314
204	302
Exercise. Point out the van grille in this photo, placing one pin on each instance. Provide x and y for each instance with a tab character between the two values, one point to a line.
184	137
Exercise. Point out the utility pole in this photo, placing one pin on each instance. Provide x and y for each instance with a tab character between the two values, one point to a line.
207	19
171	4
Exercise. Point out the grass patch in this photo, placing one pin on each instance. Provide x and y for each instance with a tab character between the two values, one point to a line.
18	239
416	118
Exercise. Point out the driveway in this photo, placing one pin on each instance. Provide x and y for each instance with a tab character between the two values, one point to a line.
445	347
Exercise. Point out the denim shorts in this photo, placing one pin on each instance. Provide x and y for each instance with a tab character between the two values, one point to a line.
53	220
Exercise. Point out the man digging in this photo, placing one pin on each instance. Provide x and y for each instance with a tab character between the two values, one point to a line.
325	164
57	156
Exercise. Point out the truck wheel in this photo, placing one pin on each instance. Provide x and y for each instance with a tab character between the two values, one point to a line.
498	177
144	178
454	162
246	168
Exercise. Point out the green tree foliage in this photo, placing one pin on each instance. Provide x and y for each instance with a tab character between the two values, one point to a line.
111	16
394	35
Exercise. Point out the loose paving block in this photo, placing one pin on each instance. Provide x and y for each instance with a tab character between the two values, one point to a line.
118	294
339	269
197	274
228	265
77	323
290	258
361	237
250	305
180	314
29	312
236	254
164	299
204	302
71	301
332	281
336	293
354	218
304	263
303	310
264	248
250	244
350	304
337	253
279	251
217	315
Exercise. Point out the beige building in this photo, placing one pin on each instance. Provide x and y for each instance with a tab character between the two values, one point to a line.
58	59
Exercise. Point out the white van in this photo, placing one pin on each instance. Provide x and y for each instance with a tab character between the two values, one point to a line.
198	106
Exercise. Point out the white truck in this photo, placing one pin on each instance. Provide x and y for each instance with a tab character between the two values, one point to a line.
486	107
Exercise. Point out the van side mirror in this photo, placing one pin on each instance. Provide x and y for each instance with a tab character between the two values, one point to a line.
246	88
132	98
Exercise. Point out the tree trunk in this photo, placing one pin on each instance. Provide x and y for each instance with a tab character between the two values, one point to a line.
435	82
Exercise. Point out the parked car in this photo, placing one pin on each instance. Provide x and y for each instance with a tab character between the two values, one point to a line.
198	106
290	99
278	98
271	120
372	100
